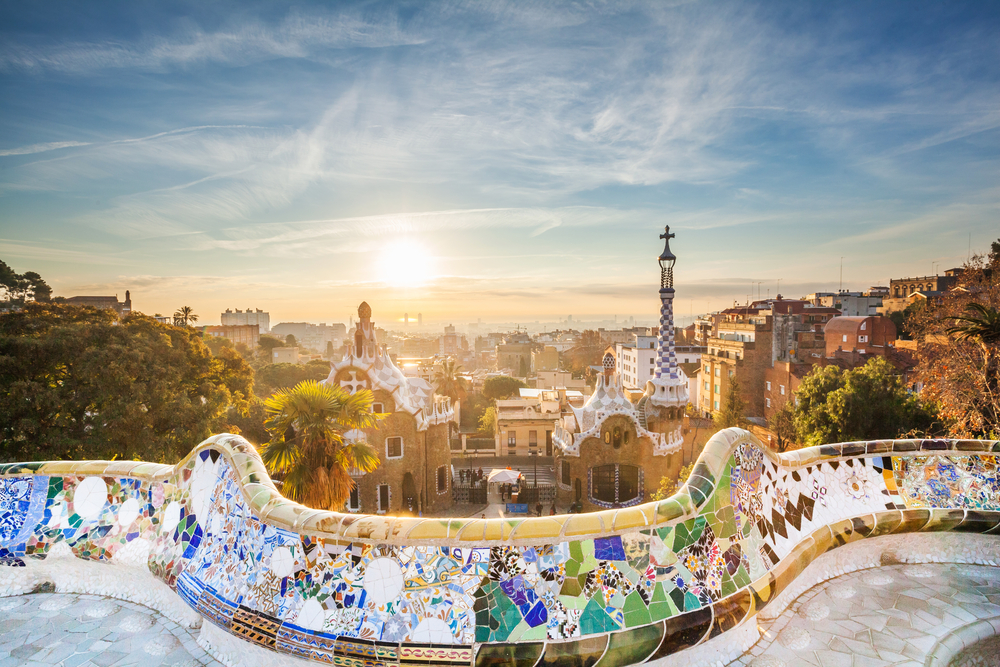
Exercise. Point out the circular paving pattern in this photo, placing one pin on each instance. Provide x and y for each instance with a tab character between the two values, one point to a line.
68	630
135	623
893	616
101	609
876	578
843	591
815	610
795	638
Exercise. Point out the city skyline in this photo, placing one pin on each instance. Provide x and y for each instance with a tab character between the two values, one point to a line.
496	161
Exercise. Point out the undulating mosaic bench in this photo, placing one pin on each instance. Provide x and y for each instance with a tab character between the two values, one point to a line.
616	587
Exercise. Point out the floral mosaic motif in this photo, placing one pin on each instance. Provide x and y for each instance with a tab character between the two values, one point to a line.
319	598
969	482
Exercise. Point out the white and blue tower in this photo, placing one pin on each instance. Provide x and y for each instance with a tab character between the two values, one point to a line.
668	388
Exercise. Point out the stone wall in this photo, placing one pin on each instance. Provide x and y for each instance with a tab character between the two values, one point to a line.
619	586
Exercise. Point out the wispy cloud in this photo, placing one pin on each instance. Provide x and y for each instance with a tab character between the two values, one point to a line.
297	36
42	148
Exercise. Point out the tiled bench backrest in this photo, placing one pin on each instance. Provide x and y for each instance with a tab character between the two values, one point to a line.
629	585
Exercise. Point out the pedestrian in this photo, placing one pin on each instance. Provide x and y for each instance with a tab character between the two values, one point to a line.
538	509
552	512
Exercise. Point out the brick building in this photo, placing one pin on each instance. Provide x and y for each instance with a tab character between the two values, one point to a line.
412	442
864	335
247	334
123	308
900	289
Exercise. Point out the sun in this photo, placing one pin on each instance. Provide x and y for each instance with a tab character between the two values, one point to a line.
404	263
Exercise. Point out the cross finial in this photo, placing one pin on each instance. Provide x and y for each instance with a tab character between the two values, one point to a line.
666	233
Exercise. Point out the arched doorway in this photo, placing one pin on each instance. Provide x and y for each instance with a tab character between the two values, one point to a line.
409	493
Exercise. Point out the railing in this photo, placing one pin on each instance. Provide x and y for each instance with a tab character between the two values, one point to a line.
633	584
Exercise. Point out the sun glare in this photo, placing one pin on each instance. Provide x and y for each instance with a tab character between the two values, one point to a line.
405	264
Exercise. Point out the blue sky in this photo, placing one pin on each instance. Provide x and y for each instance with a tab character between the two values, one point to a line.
502	160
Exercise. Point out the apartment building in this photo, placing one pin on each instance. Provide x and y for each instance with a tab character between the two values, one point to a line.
525	425
741	349
247	334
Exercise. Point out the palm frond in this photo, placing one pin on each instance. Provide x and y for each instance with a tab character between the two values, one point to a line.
280	455
358	455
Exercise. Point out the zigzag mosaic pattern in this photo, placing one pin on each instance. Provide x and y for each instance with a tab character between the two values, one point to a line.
442	592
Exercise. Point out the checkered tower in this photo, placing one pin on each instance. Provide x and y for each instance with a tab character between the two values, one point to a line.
668	386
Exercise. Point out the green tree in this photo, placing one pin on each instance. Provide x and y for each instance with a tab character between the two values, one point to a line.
24	287
500	387
216	343
83	383
488	422
782	424
290	341
866	403
472	409
668	486
269	378
449	381
184	316
307	448
734	409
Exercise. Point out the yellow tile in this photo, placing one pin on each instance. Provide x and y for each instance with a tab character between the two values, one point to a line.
473	531
368	527
535	528
629	517
494	530
429	529
584	524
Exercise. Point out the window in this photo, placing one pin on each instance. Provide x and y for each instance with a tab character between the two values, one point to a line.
533	439
844	339
564	469
863	325
716	405
511	438
706	385
614	483
354	502
717	389
377	408
862	339
393	447
383	498
603	483
718	372
732	373
781	389
442	479
768	385
706	369
767	402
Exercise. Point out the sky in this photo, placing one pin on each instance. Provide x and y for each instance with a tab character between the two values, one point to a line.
494	160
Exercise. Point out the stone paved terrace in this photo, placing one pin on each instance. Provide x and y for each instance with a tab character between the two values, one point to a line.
45	629
889	616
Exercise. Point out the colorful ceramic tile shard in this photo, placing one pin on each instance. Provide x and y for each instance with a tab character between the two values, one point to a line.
302	582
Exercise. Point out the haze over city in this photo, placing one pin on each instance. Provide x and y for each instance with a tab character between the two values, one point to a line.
492	160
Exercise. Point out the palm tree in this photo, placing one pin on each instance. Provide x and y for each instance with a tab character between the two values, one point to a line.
183	315
449	381
307	447
981	325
